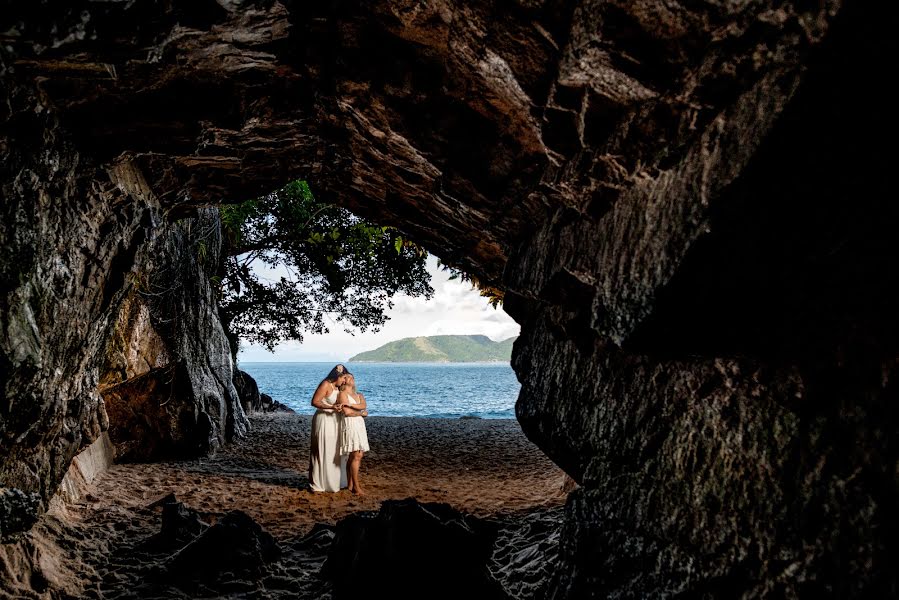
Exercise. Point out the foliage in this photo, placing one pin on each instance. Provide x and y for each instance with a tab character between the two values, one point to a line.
494	295
328	265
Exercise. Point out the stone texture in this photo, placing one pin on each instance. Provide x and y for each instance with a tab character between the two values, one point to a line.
18	511
685	202
86	465
167	383
251	399
180	525
236	545
69	236
76	241
408	549
526	553
247	390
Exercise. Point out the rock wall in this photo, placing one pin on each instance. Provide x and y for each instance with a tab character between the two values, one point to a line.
713	358
78	239
69	236
167	383
684	202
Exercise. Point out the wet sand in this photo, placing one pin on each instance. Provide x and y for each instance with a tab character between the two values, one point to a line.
486	468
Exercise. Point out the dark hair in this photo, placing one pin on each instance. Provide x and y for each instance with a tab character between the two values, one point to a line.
336	372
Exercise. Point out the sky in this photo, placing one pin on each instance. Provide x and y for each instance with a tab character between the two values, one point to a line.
456	308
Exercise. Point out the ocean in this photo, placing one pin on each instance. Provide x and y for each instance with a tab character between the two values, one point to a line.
486	390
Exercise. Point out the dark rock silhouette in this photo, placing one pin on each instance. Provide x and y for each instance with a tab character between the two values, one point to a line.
236	545
250	397
180	525
409	549
247	390
271	405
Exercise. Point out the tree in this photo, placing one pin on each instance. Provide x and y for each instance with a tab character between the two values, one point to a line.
494	295
328	262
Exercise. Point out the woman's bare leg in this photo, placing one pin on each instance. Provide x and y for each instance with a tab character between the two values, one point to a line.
357	462
351	470
350	475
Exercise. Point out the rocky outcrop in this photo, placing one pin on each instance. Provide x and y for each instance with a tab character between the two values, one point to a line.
167	383
406	548
682	201
77	239
251	399
69	237
247	391
235	545
712	360
18	512
268	404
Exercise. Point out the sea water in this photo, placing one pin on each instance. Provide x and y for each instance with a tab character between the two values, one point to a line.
486	390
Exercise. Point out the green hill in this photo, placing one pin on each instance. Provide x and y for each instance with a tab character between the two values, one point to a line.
441	348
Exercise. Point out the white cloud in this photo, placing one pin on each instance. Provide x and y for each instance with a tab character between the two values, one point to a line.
455	309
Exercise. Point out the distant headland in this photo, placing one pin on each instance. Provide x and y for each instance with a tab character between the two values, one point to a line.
441	348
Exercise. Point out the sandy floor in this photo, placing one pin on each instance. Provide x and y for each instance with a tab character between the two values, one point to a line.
482	467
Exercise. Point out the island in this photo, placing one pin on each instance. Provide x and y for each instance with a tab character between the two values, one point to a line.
441	348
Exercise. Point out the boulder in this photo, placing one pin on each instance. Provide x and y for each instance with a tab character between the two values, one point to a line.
247	390
180	525
408	549
18	511
236	544
167	382
270	405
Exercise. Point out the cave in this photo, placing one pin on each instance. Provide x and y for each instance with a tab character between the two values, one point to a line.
686	205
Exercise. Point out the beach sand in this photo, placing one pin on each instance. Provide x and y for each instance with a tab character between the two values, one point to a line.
486	468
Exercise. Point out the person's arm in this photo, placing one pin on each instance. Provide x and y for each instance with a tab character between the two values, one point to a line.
342	403
360	409
318	398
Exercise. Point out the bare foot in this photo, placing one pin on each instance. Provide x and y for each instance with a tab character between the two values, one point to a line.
358	491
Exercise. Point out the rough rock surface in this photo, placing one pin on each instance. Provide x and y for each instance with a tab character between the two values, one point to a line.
236	544
167	384
247	390
250	397
269	404
526	553
684	201
407	549
18	511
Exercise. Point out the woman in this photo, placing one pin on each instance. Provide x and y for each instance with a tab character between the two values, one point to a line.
327	469
353	436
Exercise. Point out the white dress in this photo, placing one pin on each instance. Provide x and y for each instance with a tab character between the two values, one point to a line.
327	468
353	435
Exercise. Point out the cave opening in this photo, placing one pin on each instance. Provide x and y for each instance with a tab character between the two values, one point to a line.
686	205
154	380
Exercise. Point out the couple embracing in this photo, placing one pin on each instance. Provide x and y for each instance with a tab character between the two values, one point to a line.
339	438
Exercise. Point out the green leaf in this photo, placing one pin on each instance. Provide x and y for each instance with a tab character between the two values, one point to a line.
341	267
